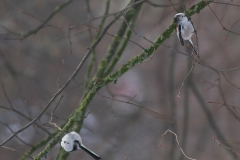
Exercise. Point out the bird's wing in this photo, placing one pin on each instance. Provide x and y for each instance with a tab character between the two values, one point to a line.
180	34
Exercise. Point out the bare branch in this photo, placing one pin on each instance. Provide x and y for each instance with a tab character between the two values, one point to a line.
229	148
69	80
57	9
16	111
177	143
127	102
17	136
5	94
55	108
17	151
70	42
119	37
179	91
60	74
46	25
223	104
224	28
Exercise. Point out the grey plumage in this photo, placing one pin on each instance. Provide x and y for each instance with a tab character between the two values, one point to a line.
184	29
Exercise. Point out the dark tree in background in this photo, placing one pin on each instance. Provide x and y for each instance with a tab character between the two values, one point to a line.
115	72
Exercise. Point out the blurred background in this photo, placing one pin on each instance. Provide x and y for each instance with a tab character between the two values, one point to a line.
31	70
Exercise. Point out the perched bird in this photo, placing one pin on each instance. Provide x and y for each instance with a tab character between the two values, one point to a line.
184	29
72	142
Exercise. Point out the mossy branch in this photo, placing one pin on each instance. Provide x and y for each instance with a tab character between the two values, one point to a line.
40	144
124	45
115	43
93	55
78	115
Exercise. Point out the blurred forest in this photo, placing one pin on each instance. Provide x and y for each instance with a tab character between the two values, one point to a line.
119	103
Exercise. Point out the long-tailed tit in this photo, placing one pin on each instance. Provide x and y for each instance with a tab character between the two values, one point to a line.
72	142
184	29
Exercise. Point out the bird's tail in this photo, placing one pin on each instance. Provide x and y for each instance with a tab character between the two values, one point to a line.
94	155
195	50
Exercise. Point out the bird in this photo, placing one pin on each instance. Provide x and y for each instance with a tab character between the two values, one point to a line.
72	142
184	29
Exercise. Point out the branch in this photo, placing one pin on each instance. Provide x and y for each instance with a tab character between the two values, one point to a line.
16	136
229	148
177	143
127	102
93	55
16	151
56	10
69	80
114	45
223	27
19	113
122	48
79	114
211	121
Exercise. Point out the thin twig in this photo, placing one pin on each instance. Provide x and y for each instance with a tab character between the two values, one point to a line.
93	60
160	5
210	83
5	94
17	136
221	145
57	9
223	104
87	113
229	81
141	37
50	124
207	112
226	4
132	98
70	42
232	26
23	115
68	81
224	28
177	143
56	116
55	108
127	102
107	15
91	16
16	151
119	37
46	25
190	71
173	6
219	86
16	111
79	113
60	74
184	7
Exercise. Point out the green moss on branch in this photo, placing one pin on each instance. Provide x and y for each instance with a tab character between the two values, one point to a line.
78	115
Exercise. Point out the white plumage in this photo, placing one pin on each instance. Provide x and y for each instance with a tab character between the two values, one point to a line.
72	142
68	141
